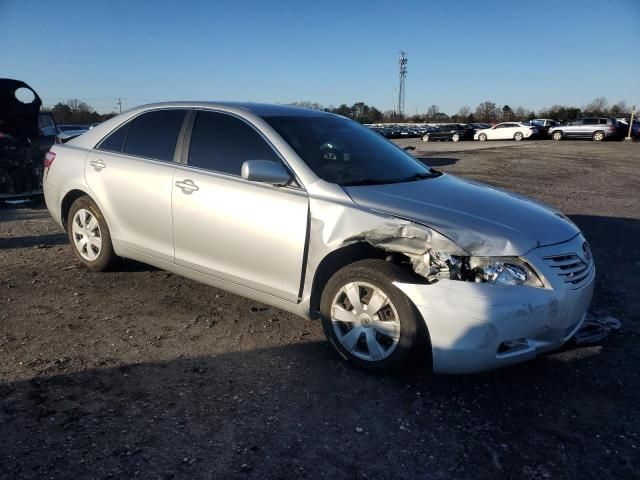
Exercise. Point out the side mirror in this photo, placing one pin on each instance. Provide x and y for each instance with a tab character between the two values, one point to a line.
265	171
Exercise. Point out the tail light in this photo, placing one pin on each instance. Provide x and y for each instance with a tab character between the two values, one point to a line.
49	157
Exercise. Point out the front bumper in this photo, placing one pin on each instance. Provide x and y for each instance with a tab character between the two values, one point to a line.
478	326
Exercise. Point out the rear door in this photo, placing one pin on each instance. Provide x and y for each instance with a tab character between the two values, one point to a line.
248	233
131	174
589	125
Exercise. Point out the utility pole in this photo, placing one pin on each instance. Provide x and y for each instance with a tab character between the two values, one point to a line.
120	104
403	75
633	111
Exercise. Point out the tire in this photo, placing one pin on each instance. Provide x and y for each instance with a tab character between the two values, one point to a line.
425	137
455	137
482	137
366	280
89	235
598	136
518	136
557	135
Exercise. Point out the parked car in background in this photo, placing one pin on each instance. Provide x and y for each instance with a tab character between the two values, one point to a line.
506	131
542	124
69	127
390	255
624	124
596	128
479	126
453	132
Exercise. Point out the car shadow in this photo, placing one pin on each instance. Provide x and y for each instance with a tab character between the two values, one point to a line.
28	241
277	412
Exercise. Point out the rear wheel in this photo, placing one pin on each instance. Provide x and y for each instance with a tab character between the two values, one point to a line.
455	137
557	135
367	319
518	136
598	136
425	137
89	235
482	137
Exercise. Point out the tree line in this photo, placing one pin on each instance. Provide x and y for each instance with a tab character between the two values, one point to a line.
75	111
485	112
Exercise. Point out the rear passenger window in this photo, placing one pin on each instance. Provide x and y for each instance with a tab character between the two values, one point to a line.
603	121
222	143
115	141
154	134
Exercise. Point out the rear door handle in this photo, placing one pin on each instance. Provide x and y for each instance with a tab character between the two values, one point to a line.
98	164
187	186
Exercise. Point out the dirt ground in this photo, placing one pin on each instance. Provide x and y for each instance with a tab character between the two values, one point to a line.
140	373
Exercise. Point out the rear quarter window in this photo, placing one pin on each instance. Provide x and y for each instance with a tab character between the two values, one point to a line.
115	141
154	134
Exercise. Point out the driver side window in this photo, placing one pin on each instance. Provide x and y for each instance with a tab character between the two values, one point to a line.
222	143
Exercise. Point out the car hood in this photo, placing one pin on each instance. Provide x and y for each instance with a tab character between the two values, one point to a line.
481	219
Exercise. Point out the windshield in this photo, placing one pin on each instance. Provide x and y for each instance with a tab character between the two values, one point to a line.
342	151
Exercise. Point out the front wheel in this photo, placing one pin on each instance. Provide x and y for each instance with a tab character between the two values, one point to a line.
425	137
518	136
455	137
598	136
557	135
367	319
482	137
89	235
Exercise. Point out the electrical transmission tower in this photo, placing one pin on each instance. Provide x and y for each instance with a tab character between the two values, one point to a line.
403	76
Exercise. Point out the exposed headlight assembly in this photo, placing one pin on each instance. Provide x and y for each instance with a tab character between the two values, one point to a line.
510	271
504	271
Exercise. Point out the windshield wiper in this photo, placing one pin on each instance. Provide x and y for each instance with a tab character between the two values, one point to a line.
422	175
365	181
371	181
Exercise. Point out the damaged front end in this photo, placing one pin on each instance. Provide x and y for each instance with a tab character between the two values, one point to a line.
435	257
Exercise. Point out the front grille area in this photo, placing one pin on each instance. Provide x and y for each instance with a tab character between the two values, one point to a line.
571	268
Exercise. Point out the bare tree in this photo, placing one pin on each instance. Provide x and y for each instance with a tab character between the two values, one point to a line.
307	104
464	112
432	112
487	112
619	108
598	106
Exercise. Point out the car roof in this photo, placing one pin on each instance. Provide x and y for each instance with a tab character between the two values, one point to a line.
259	109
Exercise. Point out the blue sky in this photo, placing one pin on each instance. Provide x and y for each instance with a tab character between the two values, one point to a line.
529	53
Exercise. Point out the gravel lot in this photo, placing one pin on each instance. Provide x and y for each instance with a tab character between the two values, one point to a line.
140	373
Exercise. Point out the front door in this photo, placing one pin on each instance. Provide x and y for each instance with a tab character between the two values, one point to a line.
248	233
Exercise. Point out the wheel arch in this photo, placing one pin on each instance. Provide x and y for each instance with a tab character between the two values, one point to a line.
68	199
333	262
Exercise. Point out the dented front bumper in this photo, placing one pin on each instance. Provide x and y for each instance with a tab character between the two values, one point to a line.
480	326
470	324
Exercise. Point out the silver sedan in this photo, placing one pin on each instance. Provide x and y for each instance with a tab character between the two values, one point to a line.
316	214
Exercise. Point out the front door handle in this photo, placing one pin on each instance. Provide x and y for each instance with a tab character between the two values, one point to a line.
98	164
187	186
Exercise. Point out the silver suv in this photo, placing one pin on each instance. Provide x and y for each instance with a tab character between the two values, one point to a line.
596	128
318	215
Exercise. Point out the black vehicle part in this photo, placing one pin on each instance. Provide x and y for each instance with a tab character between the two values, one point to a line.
20	157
